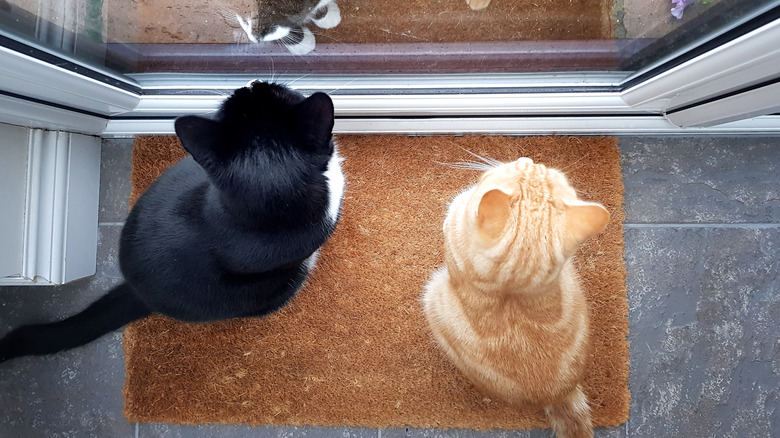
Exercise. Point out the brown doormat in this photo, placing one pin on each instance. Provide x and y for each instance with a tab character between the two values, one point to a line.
353	348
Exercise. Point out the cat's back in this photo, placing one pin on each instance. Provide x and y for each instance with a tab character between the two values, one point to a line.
171	205
163	228
519	349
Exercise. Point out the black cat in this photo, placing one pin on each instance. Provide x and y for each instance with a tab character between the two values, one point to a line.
232	230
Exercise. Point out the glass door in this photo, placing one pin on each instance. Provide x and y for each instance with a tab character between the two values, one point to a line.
194	51
373	36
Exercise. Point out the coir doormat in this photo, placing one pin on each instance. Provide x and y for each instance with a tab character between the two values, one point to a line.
353	347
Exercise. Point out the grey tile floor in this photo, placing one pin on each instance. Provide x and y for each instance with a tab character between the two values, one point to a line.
702	235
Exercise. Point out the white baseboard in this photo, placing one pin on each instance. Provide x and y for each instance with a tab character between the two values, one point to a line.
22	281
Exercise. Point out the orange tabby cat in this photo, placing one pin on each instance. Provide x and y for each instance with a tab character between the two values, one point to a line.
508	308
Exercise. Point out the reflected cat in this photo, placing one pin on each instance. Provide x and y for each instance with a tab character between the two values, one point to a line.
288	22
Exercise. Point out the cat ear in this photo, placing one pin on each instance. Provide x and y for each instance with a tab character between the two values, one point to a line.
583	220
199	136
493	213
315	119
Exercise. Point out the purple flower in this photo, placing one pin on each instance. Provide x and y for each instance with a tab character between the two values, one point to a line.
679	7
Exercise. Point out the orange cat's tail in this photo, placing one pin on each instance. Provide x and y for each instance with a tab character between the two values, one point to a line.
571	417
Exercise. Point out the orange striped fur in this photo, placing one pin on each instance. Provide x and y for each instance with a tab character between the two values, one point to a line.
507	307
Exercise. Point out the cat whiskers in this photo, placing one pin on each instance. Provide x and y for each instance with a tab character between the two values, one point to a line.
483	165
290	83
235	21
222	92
468	165
289	41
487	160
341	86
227	14
273	70
318	32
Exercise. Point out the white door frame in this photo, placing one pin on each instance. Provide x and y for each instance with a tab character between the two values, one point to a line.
734	81
60	183
665	104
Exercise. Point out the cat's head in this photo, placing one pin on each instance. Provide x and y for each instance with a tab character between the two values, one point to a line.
264	137
519	224
287	21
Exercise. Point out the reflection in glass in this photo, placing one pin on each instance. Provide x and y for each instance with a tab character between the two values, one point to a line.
371	36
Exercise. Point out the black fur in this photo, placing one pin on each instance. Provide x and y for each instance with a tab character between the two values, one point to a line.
224	233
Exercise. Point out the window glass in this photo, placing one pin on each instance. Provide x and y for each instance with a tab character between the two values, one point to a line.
371	36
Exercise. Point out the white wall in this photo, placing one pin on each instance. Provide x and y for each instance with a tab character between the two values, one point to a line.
49	190
14	145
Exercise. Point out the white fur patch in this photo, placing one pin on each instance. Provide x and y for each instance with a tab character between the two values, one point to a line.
336	184
278	33
331	19
246	25
311	262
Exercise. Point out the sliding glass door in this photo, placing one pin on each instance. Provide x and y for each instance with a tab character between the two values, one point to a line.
460	58
374	36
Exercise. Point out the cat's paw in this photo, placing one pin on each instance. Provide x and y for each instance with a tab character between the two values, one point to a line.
478	4
329	17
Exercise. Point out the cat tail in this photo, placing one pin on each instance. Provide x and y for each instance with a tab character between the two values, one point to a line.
570	418
117	308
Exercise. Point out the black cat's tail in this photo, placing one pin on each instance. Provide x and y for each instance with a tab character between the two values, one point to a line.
114	310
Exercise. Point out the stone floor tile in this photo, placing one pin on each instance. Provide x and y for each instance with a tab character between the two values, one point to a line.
115	183
704	332
701	179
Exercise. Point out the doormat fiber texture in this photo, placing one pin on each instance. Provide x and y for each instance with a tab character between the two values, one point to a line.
353	348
